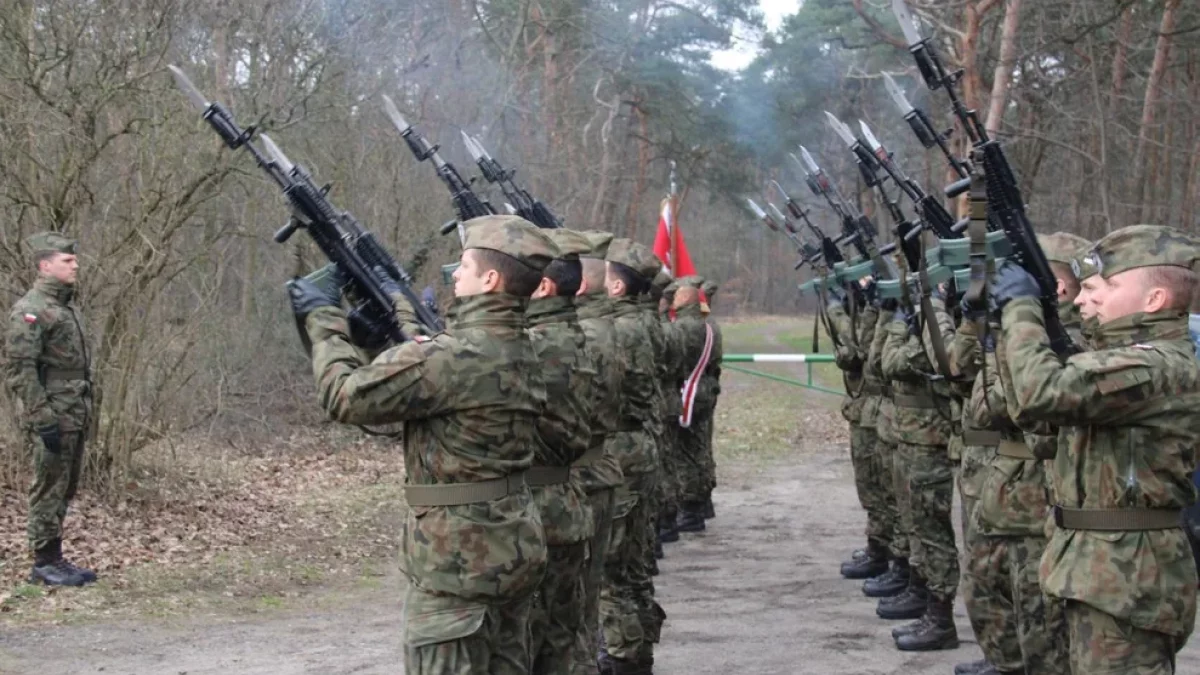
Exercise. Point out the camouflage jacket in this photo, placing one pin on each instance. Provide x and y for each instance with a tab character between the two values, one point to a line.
656	337
45	334
675	349
710	381
634	442
691	325
1130	416
886	410
851	354
600	336
469	399
564	428
957	384
966	359
905	363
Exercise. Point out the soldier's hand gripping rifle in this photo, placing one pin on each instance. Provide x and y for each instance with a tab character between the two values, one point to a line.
368	268
1004	201
467	204
522	203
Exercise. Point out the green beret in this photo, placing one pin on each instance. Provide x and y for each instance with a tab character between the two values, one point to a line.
513	236
599	241
571	244
635	256
45	242
694	280
1062	247
1137	246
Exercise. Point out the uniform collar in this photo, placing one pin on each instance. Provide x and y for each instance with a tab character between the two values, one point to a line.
487	309
55	288
554	309
1141	327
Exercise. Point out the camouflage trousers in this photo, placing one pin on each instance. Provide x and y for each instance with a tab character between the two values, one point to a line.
1018	628
583	660
929	492
873	481
557	613
630	618
893	462
697	467
449	635
1101	644
670	469
55	481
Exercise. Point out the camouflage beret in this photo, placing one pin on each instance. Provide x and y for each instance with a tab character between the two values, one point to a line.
662	281
694	280
1062	247
44	242
1137	246
709	287
599	241
635	256
511	235
571	244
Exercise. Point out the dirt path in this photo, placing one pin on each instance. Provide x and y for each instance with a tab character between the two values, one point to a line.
757	593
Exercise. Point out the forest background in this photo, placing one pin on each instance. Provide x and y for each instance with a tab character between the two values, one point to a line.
589	99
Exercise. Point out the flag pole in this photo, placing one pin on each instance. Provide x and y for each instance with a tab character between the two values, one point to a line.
671	200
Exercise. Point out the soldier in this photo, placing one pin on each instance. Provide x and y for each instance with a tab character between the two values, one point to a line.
627	600
564	435
852	335
473	547
669	449
693	419
598	470
710	388
921	425
1129	428
46	368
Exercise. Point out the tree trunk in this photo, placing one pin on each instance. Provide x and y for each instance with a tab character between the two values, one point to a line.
1004	68
1162	54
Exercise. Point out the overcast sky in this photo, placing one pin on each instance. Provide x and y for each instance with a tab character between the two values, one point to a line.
746	41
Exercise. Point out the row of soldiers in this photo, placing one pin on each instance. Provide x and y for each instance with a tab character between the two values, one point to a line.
1072	472
557	431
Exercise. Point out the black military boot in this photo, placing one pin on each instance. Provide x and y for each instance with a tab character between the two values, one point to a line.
980	667
49	567
908	628
667	531
938	632
629	667
710	511
84	573
873	564
910	604
691	517
890	583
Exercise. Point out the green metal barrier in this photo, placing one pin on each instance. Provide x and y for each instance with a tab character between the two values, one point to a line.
807	359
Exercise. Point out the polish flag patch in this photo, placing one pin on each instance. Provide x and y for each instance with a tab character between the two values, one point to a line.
31	318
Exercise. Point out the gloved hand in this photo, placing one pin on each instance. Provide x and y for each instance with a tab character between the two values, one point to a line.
51	436
909	317
428	299
307	296
973	311
889	304
1010	282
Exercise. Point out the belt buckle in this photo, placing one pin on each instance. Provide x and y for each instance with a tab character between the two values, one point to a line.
1058	515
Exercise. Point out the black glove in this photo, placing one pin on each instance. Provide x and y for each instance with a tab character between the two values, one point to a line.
973	311
51	438
1010	282
889	304
307	297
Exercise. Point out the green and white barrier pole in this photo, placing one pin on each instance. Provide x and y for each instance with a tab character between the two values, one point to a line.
808	359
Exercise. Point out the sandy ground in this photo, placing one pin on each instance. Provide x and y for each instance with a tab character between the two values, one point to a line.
757	593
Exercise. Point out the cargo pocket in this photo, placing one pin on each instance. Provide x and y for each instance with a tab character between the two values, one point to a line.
434	619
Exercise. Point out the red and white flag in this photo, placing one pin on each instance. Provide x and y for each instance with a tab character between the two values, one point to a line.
665	248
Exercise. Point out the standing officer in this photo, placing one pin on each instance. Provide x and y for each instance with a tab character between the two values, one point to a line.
710	391
698	340
1129	420
47	370
473	547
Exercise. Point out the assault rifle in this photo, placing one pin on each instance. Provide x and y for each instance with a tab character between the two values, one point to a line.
365	264
809	254
467	204
1004	201
519	200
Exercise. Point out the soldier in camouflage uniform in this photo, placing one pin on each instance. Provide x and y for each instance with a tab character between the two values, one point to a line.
627	599
700	347
710	391
872	482
599	470
1017	628
46	368
473	546
921	425
1129	420
667	493
564	435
